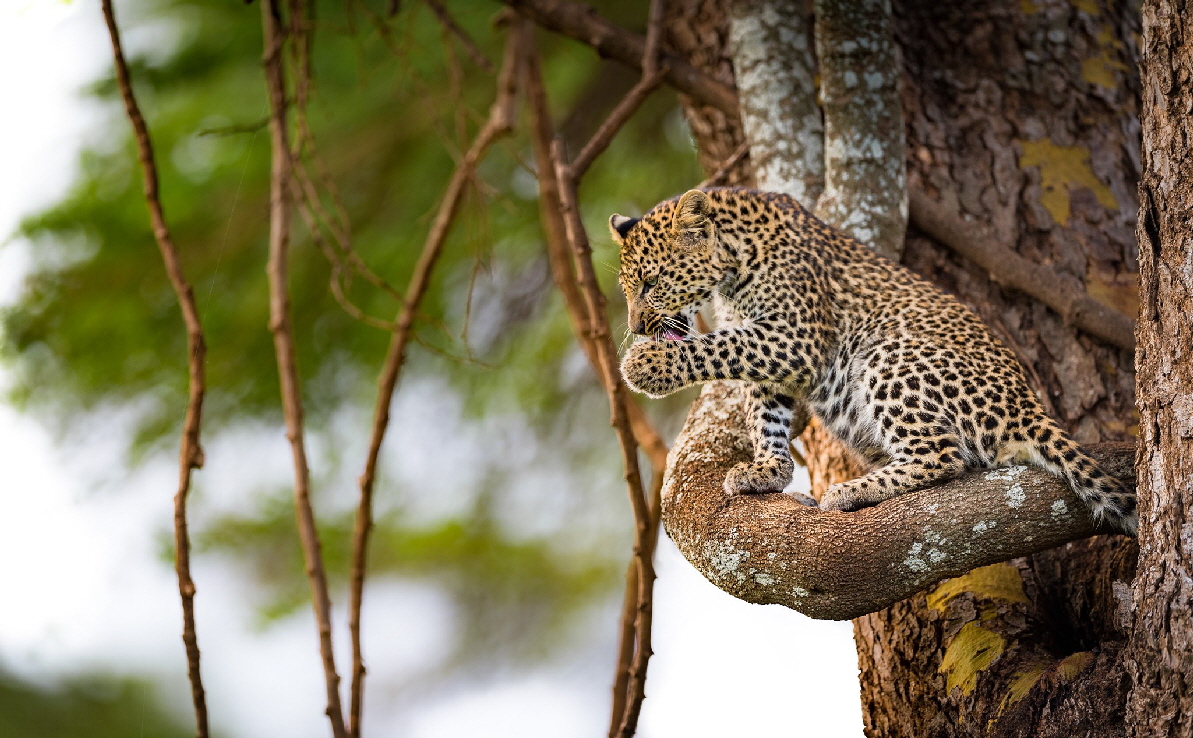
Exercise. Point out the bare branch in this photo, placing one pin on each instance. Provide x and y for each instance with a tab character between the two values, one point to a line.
719	176
562	271
502	116
770	549
191	452
449	24
283	339
582	23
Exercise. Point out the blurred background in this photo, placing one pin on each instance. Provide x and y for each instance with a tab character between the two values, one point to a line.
503	527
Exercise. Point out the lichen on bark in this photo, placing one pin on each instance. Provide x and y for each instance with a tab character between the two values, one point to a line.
771	44
865	191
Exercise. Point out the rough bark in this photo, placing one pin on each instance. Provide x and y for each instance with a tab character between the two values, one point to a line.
865	191
1027	113
771	44
1160	656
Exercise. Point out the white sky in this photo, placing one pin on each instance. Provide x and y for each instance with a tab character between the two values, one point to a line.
84	589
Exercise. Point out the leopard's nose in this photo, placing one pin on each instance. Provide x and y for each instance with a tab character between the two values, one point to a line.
640	328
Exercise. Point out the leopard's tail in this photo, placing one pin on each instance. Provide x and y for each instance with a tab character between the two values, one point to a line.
1106	496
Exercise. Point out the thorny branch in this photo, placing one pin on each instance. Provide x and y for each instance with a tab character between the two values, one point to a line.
579	22
283	338
191	453
502	116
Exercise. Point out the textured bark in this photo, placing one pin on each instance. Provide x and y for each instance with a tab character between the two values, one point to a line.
1027	113
865	191
771	44
1160	657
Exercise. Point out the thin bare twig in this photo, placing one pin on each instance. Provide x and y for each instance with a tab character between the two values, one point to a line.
283	340
734	159
449	23
562	271
502	116
630	679
191	452
607	359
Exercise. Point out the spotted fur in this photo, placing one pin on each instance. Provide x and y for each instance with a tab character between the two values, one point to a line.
904	374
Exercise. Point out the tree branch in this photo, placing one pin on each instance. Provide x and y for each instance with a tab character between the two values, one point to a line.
581	23
502	116
768	548
865	141
191	452
1009	269
283	341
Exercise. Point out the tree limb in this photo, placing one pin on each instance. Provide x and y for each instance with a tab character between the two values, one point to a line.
191	452
865	141
1009	269
581	23
768	548
283	340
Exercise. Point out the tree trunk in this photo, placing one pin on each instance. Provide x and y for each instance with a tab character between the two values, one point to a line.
1160	656
1023	118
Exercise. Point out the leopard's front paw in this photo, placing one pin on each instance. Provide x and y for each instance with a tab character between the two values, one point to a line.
843	497
649	367
768	475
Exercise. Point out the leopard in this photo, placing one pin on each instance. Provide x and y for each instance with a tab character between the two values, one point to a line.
811	320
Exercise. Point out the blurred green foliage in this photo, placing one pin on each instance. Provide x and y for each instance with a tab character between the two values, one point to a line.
95	707
97	326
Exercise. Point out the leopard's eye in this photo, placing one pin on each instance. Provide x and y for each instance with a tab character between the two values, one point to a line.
651	281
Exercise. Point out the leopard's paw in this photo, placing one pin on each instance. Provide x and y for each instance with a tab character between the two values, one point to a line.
768	475
648	367
843	497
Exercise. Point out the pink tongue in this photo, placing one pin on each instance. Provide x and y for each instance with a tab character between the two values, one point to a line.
671	335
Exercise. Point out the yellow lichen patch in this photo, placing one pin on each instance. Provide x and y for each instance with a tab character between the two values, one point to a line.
1061	169
1099	69
973	649
1073	664
1086	6
1028	7
1022	684
994	582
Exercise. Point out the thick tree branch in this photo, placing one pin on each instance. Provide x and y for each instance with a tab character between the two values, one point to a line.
191	452
1009	269
776	76
502	116
283	339
581	23
771	549
865	145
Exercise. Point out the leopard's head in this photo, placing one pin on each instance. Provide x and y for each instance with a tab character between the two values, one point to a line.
670	264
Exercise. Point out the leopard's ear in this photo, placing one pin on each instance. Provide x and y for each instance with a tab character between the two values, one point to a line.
619	227
692	223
